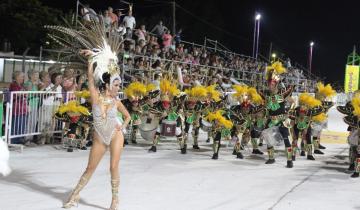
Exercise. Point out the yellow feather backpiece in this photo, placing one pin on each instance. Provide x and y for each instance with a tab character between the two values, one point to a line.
198	92
319	118
355	102
73	107
213	93
308	100
135	89
240	90
277	67
255	96
166	87
218	115
325	91
82	94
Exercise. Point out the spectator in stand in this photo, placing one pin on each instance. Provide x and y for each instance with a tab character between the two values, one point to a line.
81	82
88	14
114	18
129	21
178	37
166	38
107	21
159	29
68	85
119	14
33	99
20	109
141	33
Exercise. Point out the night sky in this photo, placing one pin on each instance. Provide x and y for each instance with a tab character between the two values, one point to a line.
289	25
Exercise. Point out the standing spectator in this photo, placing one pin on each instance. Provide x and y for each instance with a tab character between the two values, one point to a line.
167	38
114	18
159	29
178	37
107	21
88	14
46	107
141	33
68	85
119	14
32	85
20	109
129	21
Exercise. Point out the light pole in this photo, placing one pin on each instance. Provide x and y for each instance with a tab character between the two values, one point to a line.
256	35
273	56
310	55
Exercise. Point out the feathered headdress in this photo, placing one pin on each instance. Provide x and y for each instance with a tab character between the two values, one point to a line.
135	89
244	93
213	93
168	89
319	118
274	71
197	93
309	101
93	37
355	102
323	91
73	107
82	94
218	115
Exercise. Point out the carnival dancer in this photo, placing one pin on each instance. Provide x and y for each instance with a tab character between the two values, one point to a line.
135	93
192	106
250	106
324	94
220	128
352	110
307	109
166	108
275	97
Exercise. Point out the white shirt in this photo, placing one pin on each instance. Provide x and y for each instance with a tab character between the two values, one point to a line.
129	22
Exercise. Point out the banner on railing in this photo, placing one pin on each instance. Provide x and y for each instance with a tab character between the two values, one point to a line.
351	78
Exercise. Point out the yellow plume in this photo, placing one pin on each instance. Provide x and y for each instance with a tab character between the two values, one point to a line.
73	107
277	67
197	92
255	96
218	115
150	87
355	102
240	90
135	89
82	94
213	93
167	88
325	91
308	100
319	118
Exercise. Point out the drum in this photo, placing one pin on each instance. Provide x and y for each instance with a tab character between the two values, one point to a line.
205	125
272	136
148	127
168	128
353	138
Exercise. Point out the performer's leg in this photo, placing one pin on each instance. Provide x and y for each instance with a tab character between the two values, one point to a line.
237	146
271	159
156	138
352	157
285	134
134	131
216	145
209	133
96	153
195	138
357	168
115	154
316	143
308	145
254	139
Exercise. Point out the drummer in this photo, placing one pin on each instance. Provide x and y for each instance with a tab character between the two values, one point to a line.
166	108
275	96
134	101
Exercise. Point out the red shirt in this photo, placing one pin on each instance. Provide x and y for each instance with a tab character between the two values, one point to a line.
19	100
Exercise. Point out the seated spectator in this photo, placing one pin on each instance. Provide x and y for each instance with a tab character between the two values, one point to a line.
141	33
166	38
